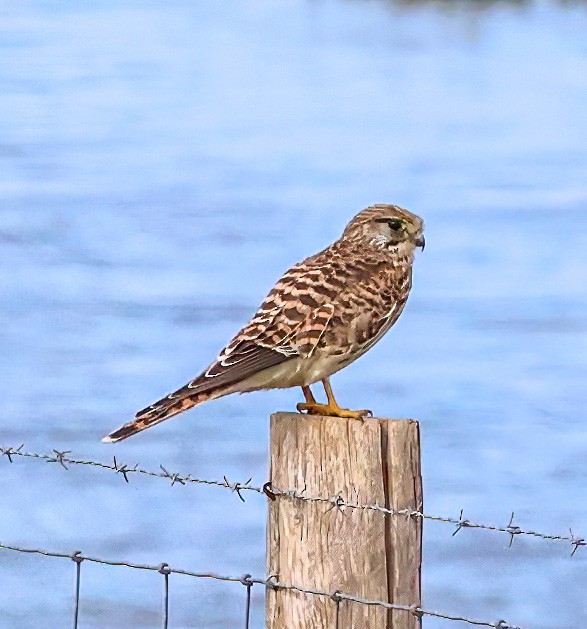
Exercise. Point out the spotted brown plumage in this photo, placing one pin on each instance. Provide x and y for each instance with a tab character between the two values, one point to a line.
322	314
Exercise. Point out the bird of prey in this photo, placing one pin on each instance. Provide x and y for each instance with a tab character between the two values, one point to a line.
323	314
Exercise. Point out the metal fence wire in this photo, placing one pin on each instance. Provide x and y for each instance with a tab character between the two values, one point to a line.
126	472
66	461
246	580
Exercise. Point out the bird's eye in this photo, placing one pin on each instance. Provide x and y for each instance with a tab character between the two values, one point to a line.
393	223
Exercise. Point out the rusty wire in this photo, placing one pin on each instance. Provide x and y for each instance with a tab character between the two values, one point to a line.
126	471
248	582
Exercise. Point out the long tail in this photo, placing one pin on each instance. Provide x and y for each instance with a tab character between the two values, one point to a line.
167	407
228	374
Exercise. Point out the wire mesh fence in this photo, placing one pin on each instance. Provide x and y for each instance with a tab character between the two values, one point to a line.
67	462
246	580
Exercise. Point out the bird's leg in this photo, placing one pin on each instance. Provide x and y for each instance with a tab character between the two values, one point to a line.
335	409
308	395
332	409
310	400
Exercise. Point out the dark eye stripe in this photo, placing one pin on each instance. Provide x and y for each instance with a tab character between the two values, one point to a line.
392	222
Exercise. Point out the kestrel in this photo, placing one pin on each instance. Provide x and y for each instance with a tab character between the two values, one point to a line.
321	316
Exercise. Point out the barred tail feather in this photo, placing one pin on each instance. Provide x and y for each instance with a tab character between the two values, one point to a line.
158	412
221	378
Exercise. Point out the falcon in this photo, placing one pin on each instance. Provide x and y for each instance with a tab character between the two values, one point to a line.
322	314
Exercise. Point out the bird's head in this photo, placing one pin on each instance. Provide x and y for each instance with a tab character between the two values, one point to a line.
388	227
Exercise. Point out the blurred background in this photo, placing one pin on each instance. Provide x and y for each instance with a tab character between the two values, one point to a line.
161	163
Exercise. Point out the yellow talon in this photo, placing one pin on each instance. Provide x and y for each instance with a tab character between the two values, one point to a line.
332	409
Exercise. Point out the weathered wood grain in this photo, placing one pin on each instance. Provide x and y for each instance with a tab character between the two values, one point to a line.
361	552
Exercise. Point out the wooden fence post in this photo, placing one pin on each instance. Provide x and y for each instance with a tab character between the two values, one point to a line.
362	552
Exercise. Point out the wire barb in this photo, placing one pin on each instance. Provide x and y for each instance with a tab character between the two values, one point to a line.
576	542
174	477
512	529
60	457
10	452
337	502
461	523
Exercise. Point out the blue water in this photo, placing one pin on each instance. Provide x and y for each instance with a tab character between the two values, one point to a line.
162	163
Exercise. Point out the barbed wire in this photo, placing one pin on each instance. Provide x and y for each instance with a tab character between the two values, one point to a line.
513	530
459	522
125	470
246	580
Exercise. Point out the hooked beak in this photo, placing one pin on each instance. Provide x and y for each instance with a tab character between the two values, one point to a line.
420	242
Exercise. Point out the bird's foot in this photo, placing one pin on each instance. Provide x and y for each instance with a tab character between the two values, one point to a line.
332	411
